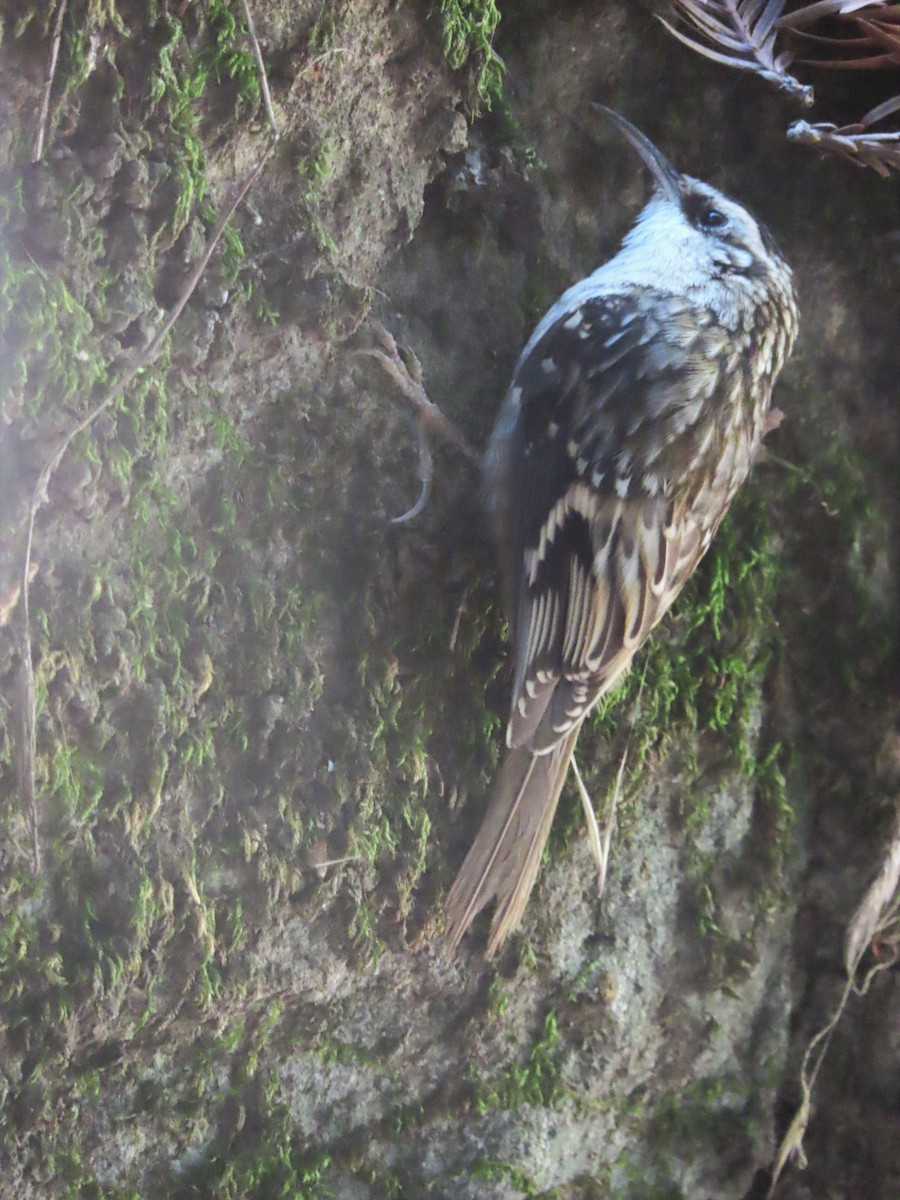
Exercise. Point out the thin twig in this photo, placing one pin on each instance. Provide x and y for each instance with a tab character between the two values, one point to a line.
457	620
792	1143
594	839
600	841
877	911
27	743
321	868
261	67
37	152
39	495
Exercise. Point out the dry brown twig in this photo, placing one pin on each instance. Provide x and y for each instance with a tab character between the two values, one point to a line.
875	924
27	747
37	152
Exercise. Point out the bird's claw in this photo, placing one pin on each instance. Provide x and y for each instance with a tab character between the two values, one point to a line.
425	474
408	378
398	360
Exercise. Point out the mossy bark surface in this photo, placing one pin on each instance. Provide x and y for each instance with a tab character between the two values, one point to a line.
268	719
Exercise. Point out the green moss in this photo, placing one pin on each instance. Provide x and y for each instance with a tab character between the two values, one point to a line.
534	1081
683	1126
725	626
385	1183
775	818
330	21
179	84
468	28
498	1000
856	533
272	1166
493	1171
510	132
230	56
315	169
393	744
392	821
51	342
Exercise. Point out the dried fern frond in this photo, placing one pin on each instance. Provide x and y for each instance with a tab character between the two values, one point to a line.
741	34
875	24
880	151
859	34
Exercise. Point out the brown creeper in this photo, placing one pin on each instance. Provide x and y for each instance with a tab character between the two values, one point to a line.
635	413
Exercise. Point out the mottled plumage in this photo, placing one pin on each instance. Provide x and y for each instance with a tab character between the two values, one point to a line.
635	412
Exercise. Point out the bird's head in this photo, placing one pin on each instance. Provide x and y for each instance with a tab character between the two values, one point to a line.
692	233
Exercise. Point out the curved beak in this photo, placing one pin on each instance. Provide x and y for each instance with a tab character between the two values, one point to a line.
664	174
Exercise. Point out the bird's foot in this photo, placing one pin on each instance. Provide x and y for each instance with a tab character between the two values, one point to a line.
408	379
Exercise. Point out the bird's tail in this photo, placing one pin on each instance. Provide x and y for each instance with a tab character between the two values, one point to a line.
504	859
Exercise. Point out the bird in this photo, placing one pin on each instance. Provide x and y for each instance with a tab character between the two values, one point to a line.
634	414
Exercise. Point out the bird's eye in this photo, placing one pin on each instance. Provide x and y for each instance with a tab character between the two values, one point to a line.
712	218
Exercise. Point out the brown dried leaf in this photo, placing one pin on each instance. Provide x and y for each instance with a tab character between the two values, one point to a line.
880	907
792	1142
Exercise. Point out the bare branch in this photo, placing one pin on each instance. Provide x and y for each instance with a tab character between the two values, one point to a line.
37	152
261	67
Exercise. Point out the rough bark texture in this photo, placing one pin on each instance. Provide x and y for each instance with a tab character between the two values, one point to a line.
267	719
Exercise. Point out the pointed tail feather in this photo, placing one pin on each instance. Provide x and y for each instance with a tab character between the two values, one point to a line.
504	859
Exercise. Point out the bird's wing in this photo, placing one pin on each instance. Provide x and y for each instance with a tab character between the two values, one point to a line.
601	523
